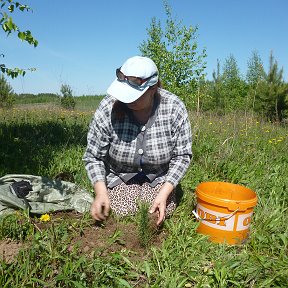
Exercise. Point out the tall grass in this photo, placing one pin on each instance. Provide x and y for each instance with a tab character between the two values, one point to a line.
40	98
83	103
88	103
234	148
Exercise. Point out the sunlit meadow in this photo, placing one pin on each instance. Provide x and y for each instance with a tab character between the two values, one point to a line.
237	148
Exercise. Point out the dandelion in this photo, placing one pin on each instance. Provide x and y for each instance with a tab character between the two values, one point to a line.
210	123
45	218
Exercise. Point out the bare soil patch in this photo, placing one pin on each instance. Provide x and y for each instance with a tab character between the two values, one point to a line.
107	237
9	250
114	236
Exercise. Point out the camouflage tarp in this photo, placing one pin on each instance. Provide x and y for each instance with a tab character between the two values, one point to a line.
47	195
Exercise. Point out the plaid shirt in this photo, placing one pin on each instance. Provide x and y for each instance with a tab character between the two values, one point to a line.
117	150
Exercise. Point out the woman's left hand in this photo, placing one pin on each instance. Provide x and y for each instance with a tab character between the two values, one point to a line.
159	203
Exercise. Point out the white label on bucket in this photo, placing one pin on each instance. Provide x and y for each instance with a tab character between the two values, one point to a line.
215	219
244	221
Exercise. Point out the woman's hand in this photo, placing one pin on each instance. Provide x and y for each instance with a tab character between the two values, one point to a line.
101	205
159	203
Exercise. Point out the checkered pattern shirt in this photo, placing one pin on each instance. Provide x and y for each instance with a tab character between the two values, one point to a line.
117	150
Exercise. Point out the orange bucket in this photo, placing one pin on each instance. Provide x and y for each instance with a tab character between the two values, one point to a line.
224	211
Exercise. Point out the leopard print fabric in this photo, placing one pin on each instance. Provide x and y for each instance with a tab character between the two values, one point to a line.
124	198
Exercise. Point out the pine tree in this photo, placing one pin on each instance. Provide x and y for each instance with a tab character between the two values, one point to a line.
233	88
255	71
7	97
217	86
255	74
67	99
272	93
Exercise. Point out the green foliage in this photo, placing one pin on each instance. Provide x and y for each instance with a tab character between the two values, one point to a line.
84	103
233	86
146	224
7	96
255	71
227	91
255	74
175	52
14	72
16	227
38	98
237	148
265	93
271	94
67	99
9	26
66	90
217	88
32	141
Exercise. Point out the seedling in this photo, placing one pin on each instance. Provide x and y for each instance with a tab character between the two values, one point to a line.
147	227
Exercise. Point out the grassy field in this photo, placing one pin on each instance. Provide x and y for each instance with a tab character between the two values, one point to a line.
236	148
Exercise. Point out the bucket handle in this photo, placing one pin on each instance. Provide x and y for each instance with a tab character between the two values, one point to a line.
217	218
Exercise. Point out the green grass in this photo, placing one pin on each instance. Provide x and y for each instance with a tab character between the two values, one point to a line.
234	148
87	103
83	103
40	98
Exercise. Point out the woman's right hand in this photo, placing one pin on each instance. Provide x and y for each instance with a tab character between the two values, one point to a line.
101	205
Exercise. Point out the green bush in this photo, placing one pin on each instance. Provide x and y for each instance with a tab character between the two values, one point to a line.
6	93
67	100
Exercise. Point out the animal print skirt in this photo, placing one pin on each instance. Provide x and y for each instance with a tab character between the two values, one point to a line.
124	198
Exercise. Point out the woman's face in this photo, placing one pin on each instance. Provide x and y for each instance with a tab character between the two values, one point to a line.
145	101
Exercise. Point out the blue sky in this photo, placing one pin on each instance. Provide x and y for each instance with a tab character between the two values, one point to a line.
82	42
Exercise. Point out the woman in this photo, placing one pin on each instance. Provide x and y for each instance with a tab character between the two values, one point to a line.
139	144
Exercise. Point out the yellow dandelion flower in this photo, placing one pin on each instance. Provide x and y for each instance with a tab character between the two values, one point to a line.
45	218
210	123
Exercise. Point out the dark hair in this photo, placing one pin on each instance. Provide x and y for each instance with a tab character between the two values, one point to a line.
119	110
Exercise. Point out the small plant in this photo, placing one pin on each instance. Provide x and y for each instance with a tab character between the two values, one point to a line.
146	224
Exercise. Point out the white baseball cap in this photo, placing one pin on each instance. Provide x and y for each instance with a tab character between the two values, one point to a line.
137	66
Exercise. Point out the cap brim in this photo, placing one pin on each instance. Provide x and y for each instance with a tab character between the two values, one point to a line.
125	93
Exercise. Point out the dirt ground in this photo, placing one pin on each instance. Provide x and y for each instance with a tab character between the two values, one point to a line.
111	236
115	236
9	249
